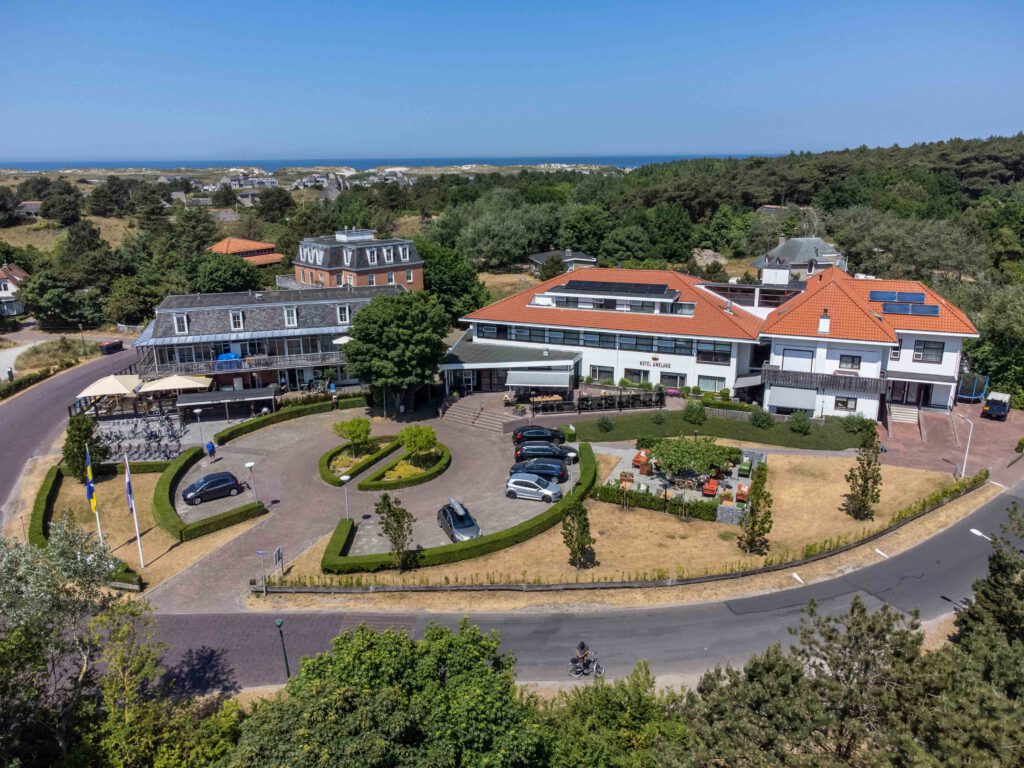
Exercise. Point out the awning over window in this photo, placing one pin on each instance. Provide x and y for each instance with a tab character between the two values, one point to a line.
791	397
750	380
552	379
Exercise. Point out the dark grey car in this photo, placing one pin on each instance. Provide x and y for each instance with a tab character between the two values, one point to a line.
211	487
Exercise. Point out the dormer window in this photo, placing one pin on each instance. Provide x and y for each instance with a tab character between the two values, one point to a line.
403	252
371	256
181	324
343	314
389	255
290	318
348	256
237	321
319	256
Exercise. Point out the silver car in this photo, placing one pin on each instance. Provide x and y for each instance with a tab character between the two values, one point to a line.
456	521
525	486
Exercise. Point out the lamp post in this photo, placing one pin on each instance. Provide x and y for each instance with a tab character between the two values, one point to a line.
967	448
252	482
279	623
82	335
199	420
344	481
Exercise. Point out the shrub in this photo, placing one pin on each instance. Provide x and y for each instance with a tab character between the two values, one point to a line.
376	481
223	520
282	414
725	394
356	431
697	509
605	424
25	381
1020	445
42	508
800	423
707	398
761	419
855	423
729	405
694	413
337	545
328	476
646	441
658	418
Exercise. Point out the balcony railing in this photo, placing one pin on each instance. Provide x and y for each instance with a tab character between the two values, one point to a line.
151	370
771	374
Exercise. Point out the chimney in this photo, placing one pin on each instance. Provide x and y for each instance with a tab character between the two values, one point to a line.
824	322
728	306
782	239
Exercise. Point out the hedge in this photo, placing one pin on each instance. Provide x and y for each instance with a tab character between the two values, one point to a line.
163	495
223	520
698	509
325	461
1020	445
375	483
9	388
941	496
285	413
484	545
338	544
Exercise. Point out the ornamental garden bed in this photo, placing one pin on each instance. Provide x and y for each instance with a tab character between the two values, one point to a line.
409	469
343	460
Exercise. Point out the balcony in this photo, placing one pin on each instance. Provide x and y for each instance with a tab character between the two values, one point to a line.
771	374
148	369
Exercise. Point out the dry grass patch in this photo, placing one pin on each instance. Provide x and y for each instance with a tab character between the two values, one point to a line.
113	230
504	285
165	556
606	464
46	354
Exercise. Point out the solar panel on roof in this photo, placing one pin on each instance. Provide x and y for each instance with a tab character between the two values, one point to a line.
593	286
929	310
882	296
892	308
910	298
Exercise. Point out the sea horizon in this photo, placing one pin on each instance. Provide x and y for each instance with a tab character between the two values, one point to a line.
360	164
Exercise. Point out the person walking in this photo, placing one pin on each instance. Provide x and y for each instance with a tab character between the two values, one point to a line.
334	401
211	451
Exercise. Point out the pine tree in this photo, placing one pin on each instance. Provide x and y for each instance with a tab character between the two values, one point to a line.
82	433
756	521
865	480
576	535
553	266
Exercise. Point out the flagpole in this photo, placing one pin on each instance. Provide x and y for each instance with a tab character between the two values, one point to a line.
131	504
91	493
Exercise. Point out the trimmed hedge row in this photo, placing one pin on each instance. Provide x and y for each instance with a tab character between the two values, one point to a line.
390	444
223	520
163	495
1020	445
338	544
941	496
375	483
697	509
285	413
9	388
484	545
42	508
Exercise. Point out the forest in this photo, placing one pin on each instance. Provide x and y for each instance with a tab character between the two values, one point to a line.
950	213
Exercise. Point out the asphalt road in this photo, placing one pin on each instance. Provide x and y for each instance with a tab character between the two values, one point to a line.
244	649
33	419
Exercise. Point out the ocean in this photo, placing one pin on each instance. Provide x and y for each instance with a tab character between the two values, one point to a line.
364	163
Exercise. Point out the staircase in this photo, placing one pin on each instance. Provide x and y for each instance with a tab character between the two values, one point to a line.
464	411
905	414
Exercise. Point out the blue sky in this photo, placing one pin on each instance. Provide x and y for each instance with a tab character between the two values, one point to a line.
296	79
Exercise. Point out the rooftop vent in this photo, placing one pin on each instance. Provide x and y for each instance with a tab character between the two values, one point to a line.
824	322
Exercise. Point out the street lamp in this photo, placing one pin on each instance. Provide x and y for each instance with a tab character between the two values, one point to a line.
976	532
344	481
199	413
252	482
279	623
82	335
967	449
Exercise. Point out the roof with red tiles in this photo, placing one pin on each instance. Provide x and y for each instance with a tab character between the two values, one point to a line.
264	259
239	245
713	316
13	272
854	316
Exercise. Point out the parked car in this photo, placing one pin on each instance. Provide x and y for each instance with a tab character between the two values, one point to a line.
524	486
546	434
456	522
997	406
539	450
549	469
209	487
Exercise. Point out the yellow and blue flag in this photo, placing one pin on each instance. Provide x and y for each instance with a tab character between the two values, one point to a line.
90	489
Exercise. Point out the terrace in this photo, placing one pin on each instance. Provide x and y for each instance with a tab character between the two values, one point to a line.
149	368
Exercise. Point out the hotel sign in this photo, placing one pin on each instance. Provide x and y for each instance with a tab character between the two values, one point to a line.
653	363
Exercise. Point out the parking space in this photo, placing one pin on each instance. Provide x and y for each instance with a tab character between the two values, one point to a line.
232	461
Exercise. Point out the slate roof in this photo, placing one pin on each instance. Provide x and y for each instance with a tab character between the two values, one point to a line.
470	352
30	207
333	251
799	251
710	318
566	255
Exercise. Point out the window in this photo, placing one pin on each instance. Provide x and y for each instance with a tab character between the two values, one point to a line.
894	353
928	351
849	362
641	306
391	278
348	256
637	343
290	319
710	383
846	404
714	352
681	308
673	346
408	275
487	331
252	348
567	302
637	375
181	324
186	354
350	279
371	279
602	373
674	380
237	323
4	287
389	255
371	256
403	252
342	314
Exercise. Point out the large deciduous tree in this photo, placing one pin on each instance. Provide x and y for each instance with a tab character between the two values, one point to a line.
696	455
226	272
274	204
451	278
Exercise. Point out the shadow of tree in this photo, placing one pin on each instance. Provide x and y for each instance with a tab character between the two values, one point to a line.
201	671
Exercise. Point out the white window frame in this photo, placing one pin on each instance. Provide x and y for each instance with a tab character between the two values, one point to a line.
349	280
409	276
403	252
850	367
348	256
183	329
702	379
293	314
389	255
236	314
894	353
343	310
371	279
391	278
919	351
851	403
371	256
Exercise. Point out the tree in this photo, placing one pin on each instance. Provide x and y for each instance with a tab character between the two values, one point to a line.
65	209
193	231
130	300
111	198
756	520
451	278
224	196
418	440
356	431
224	273
51	300
865	479
274	204
553	266
8	207
576	534
398	340
150	208
696	455
396	522
584	228
81	433
624	243
800	423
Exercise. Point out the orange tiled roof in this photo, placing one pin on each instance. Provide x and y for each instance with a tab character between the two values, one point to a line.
710	318
854	317
263	259
239	245
13	272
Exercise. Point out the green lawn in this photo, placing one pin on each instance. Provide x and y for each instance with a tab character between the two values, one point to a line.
830	436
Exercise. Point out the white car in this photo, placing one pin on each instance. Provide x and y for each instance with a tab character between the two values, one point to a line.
525	486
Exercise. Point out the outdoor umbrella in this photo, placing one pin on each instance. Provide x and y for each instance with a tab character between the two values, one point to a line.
111	385
176	383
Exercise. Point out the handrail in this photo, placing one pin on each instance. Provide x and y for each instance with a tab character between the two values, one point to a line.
251	363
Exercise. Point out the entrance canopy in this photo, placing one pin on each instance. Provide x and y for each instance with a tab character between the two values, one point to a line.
111	385
791	397
468	354
220	397
549	379
175	383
